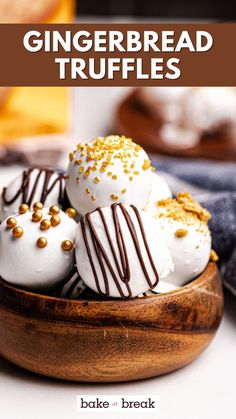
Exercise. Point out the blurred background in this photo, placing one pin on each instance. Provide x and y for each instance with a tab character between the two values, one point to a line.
172	9
180	122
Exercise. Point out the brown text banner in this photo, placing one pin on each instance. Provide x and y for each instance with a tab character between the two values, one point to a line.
118	54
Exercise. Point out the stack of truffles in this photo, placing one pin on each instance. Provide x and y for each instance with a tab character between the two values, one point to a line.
108	227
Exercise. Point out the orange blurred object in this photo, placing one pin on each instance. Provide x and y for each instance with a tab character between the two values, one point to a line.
33	111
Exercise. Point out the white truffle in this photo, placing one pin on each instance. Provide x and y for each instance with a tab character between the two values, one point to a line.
162	287
119	251
159	190
208	109
23	263
107	170
164	102
179	136
72	289
32	185
183	223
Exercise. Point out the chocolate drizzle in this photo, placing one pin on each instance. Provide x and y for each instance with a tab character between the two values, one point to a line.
123	274
28	194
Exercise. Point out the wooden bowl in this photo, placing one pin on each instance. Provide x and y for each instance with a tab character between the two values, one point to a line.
112	340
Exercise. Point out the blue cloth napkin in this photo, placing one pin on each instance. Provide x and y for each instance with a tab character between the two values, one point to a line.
213	184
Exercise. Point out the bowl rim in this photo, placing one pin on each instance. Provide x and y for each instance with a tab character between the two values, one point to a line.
210	270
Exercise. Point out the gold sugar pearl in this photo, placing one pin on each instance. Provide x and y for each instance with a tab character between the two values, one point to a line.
114	197
37	216
17	232
11	222
23	208
71	212
54	210
45	224
55	220
67	245
38	206
42	242
93	197
181	232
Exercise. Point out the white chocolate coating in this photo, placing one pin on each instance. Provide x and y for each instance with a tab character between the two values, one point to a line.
180	137
137	282
107	170
159	190
72	289
22	263
15	185
188	239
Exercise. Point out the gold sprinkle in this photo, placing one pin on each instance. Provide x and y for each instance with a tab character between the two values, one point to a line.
93	197
11	222
71	212
38	206
109	173
45	224
131	178
181	232
81	169
71	156
88	191
41	242
67	245
146	164
55	220
87	173
54	210
97	179
123	190
37	216
213	256
184	208
80	161
17	232
153	169
114	177
126	171
136	172
23	208
103	169
114	197
132	166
